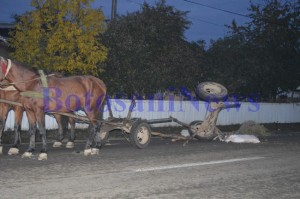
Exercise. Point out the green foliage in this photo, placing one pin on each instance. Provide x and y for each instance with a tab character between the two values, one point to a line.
263	55
226	59
61	36
148	52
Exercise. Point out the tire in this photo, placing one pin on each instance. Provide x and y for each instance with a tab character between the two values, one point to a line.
211	91
194	123
140	134
104	136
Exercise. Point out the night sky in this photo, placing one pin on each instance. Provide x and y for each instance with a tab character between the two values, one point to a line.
207	23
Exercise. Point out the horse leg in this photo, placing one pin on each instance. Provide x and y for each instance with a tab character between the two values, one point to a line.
3	113
31	149
93	137
41	124
89	148
31	131
2	123
60	137
14	150
97	138
70	143
89	142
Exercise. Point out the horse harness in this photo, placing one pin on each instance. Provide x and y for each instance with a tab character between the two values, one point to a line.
5	70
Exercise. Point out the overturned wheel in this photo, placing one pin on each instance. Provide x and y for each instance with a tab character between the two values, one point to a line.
210	91
202	134
140	134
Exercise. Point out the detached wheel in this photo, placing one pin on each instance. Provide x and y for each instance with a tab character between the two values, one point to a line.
195	123
140	134
103	136
210	91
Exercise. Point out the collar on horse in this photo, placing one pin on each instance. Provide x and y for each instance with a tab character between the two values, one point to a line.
5	68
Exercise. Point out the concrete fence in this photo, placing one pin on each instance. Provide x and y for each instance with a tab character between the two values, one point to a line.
188	111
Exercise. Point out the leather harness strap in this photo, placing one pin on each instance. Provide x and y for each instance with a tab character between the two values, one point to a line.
8	68
5	68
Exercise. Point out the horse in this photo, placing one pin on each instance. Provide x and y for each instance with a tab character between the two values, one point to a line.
10	95
63	94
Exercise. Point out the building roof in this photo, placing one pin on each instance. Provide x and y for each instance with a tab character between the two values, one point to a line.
5	28
7	25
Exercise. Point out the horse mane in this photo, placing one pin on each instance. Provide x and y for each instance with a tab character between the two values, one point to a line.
35	69
27	66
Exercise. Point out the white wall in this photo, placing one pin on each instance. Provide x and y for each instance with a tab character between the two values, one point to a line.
187	112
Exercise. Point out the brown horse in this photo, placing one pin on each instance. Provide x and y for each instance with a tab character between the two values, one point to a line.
11	94
67	94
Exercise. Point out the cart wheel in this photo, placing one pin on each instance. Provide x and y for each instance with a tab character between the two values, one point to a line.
140	134
195	123
104	136
209	91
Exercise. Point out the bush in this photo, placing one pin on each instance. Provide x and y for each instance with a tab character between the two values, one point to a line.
253	128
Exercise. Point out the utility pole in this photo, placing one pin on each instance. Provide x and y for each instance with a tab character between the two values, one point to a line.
113	9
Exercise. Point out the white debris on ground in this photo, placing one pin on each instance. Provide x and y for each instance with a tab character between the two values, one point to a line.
185	132
237	138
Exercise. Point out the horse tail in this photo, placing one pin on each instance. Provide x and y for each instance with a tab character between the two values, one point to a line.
106	100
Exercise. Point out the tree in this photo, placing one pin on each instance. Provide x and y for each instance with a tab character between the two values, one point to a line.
61	36
272	40
227	61
263	55
148	51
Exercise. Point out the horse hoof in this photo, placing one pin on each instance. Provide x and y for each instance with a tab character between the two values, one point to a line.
13	151
1	148
95	151
70	145
27	155
43	156
57	144
87	152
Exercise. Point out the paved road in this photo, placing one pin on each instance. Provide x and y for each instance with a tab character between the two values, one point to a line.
163	170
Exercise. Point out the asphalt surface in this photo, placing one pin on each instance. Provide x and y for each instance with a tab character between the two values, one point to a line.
164	169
